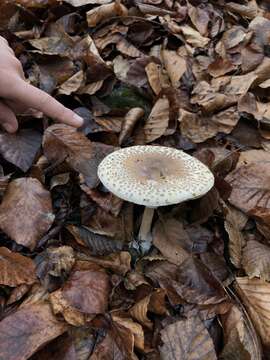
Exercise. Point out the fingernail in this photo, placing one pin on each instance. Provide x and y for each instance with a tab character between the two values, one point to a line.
78	120
9	128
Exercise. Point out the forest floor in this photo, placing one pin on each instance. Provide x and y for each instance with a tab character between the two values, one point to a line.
75	281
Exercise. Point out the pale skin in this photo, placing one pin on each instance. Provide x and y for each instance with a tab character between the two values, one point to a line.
17	96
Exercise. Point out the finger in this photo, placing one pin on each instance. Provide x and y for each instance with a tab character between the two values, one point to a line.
21	109
7	118
35	98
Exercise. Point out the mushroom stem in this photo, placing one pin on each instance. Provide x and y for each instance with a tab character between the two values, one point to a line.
145	228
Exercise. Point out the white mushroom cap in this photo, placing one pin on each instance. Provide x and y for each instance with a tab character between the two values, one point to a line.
154	175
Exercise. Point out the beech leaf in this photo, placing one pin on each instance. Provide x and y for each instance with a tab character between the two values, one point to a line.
187	339
26	211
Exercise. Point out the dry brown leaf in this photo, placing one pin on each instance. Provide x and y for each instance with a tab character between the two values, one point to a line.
119	263
135	328
17	293
72	84
200	18
21	148
256	260
250	186
55	261
107	201
127	48
87	291
158	120
167	237
16	269
26	211
252	156
248	10
241	340
28	329
193	37
117	344
63	143
199	128
175	66
154	75
61	306
139	312
255	294
187	339
78	3
92	88
234	223
103	12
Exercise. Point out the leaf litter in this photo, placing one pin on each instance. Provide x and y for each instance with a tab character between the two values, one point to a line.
75	281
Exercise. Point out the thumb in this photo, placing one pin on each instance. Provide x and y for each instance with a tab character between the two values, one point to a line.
7	118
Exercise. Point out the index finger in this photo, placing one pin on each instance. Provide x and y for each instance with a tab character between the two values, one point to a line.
35	98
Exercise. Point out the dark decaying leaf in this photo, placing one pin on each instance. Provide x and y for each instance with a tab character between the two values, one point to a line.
187	339
26	211
55	261
27	330
192	281
60	348
98	244
16	269
21	148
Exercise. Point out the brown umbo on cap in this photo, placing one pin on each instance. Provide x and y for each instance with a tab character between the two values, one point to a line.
154	175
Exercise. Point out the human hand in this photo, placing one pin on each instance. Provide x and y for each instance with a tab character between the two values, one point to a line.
17	96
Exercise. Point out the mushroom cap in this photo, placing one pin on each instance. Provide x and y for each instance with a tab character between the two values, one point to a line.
154	175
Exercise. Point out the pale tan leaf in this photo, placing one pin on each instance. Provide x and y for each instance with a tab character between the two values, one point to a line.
26	211
187	339
72	84
193	37
154	74
158	120
248	10
175	66
139	312
127	48
131	119
106	11
16	269
255	294
256	260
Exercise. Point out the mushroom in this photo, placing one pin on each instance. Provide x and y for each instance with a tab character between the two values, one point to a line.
154	176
